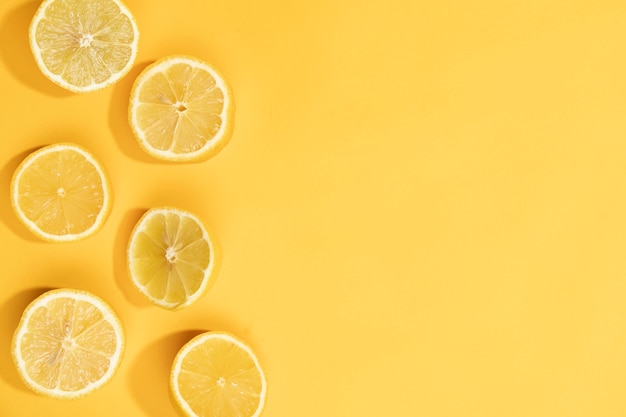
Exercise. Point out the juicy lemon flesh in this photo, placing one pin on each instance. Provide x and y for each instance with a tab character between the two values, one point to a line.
220	379
68	345
169	257
180	109
85	42
61	192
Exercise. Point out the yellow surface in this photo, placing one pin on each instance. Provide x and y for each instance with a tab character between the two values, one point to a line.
421	210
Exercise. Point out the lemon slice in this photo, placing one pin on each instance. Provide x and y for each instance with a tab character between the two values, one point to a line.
68	344
171	257
83	45
216	374
181	109
61	193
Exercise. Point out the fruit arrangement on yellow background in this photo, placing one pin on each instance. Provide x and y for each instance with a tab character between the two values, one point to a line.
70	342
419	212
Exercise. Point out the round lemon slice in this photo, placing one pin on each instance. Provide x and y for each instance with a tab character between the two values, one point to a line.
181	109
217	374
68	344
61	193
84	45
171	257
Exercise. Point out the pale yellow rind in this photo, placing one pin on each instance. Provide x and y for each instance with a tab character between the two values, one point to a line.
209	273
31	225
180	403
108	315
212	147
60	81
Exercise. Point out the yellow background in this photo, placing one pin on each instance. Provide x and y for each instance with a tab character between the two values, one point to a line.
422	209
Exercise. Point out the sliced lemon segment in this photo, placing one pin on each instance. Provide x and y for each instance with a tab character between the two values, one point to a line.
68	344
61	193
217	374
181	109
171	257
84	45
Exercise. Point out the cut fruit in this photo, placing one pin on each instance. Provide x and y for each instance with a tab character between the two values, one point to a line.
171	257
181	109
61	193
216	374
68	344
83	45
